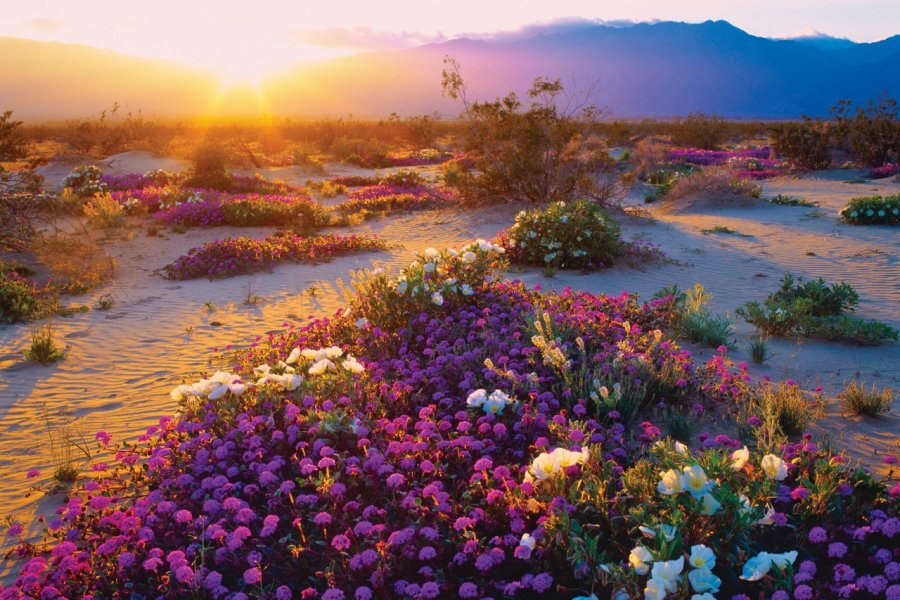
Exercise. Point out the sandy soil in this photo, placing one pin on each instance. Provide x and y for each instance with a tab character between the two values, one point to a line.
121	363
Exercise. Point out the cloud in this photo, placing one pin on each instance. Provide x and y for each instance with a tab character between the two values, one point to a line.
554	26
44	25
365	38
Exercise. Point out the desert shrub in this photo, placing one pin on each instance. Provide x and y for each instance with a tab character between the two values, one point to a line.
85	181
537	153
649	156
712	180
872	133
788	407
860	400
695	323
43	348
209	168
699	130
330	189
806	143
813	308
872	210
404	178
76	262
103	211
573	235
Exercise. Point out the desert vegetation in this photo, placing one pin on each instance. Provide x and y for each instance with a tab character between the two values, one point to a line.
448	427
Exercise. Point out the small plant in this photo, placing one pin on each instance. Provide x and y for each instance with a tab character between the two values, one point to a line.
189	330
681	424
210	306
759	351
43	348
312	291
251	298
548	272
152	231
725	230
782	200
105	302
209	168
714	180
696	324
867	401
872	210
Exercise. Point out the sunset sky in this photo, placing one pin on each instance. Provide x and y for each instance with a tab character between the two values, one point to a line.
243	41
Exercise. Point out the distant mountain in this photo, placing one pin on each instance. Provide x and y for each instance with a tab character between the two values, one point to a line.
649	69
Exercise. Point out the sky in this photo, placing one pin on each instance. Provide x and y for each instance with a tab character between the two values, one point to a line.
246	41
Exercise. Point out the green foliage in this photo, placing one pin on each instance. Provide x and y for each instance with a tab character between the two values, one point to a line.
699	130
404	178
43	348
20	299
867	401
872	132
681	424
813	308
783	200
806	143
872	210
536	153
724	229
574	235
12	142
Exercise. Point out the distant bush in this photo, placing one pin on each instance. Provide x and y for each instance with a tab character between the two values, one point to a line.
806	143
574	235
649	157
711	180
871	133
538	153
210	168
699	130
872	210
862	401
815	309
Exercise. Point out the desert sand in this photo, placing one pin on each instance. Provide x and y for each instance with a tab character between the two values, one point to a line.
122	363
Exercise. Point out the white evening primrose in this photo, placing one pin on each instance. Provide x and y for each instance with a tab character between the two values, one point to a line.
640	559
774	467
670	483
739	458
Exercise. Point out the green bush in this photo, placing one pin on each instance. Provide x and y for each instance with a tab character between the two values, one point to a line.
209	168
815	309
806	143
699	130
788	407
258	212
871	133
872	210
20	299
574	235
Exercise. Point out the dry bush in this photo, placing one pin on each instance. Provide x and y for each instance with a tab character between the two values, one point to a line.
648	156
104	212
717	181
76	262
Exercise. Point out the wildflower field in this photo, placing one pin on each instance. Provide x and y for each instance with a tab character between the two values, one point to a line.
449	434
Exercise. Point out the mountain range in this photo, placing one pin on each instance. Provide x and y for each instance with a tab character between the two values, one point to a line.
657	69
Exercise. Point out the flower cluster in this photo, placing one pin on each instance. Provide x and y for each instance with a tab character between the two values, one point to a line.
707	158
244	210
873	210
413	158
576	235
234	256
137	181
85	181
387	198
885	170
